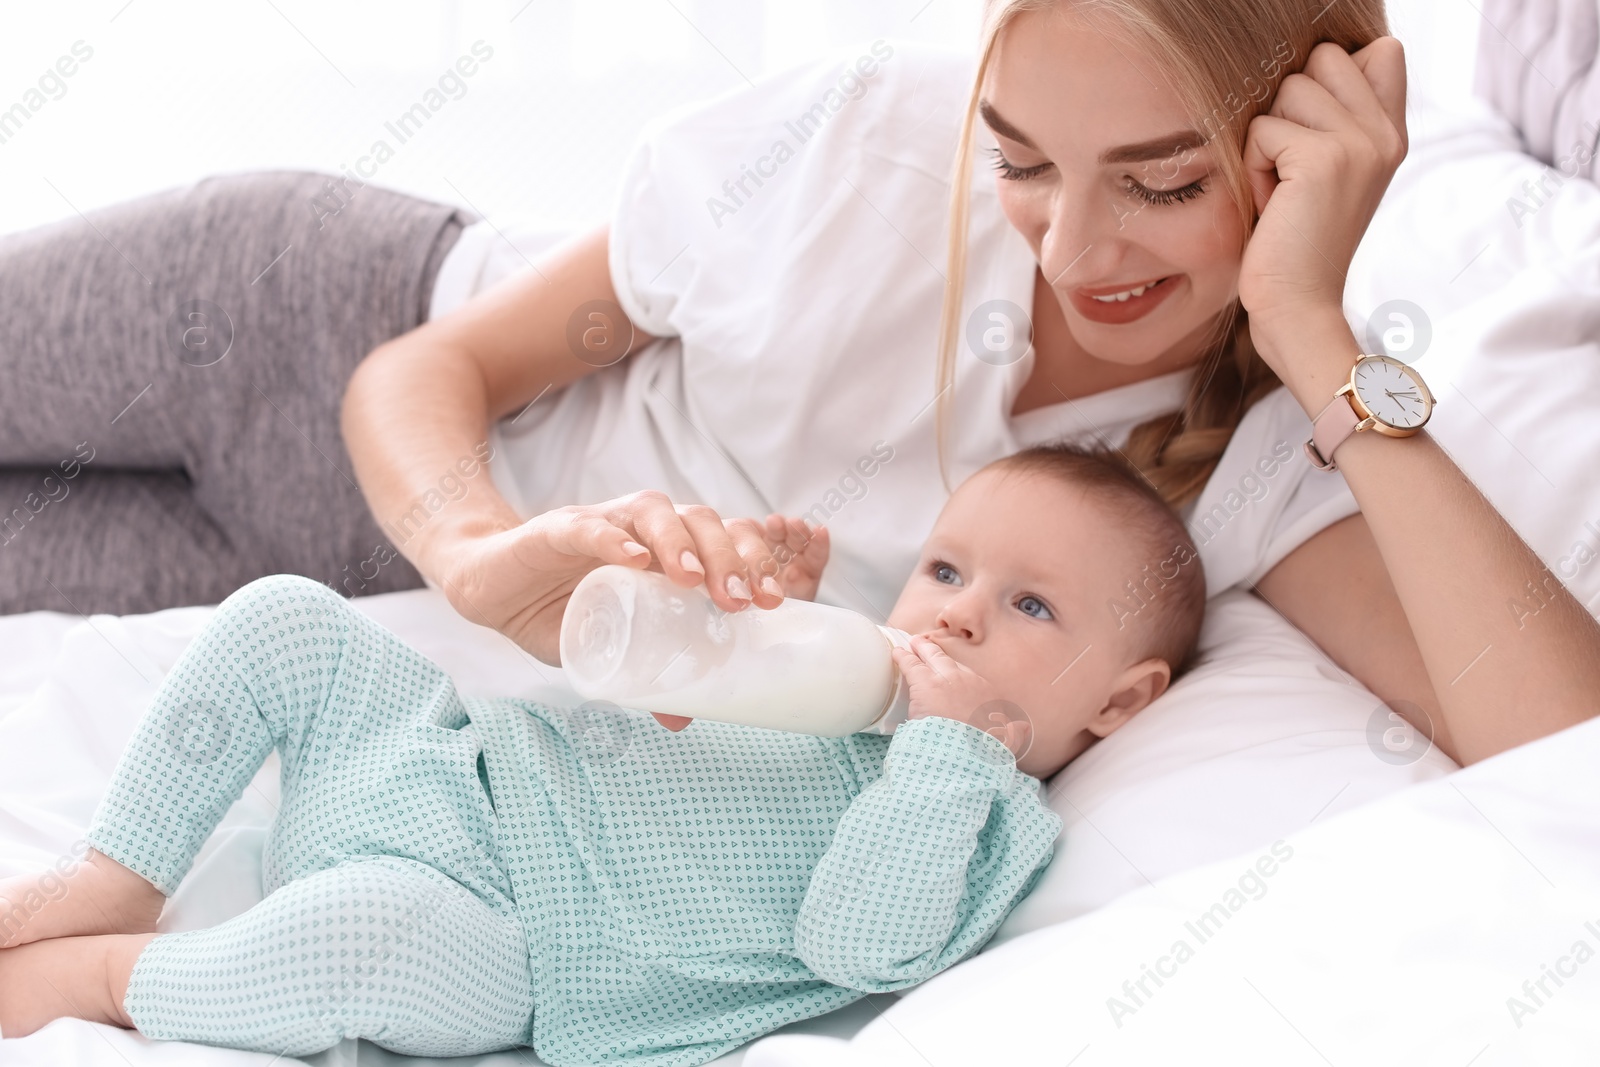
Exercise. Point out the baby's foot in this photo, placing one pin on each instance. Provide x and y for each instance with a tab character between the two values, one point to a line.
97	896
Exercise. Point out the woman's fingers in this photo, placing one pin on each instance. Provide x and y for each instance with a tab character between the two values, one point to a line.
1383	64
584	534
1333	95
649	518
689	543
1269	137
1331	68
735	553
725	578
1305	100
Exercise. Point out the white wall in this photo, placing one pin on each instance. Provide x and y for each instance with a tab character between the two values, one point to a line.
177	89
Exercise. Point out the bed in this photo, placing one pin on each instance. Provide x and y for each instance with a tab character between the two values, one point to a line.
1391	907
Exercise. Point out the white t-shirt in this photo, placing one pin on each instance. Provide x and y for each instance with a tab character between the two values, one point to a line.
797	316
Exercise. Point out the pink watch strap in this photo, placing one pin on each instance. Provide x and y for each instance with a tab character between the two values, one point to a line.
1329	429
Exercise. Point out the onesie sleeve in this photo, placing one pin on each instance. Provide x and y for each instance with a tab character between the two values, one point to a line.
927	861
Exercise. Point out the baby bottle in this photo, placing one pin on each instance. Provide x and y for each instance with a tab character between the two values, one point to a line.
634	638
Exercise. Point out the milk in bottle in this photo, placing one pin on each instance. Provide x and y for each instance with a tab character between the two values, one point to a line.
634	638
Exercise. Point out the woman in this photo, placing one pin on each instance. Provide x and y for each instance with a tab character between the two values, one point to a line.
1064	89
1146	152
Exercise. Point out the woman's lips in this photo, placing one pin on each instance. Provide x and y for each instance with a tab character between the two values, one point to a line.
1117	312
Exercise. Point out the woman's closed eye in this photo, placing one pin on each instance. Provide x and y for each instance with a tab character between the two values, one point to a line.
1164	197
1012	173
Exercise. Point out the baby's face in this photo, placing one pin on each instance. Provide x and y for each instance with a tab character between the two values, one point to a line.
1016	582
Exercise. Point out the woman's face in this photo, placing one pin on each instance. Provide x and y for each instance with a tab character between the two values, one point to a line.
1100	168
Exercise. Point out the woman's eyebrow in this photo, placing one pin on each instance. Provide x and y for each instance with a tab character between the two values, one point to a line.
998	124
1155	148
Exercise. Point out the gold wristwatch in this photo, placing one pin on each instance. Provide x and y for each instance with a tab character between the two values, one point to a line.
1383	394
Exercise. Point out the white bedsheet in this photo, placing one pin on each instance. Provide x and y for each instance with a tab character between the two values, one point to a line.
1399	934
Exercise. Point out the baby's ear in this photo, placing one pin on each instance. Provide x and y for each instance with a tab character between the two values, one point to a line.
1131	690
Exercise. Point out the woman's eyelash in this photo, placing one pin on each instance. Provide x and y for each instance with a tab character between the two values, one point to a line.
1163	197
1012	173
1156	197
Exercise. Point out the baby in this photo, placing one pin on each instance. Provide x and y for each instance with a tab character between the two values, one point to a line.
452	875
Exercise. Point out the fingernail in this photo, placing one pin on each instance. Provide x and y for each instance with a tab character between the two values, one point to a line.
770	587
737	587
634	548
689	562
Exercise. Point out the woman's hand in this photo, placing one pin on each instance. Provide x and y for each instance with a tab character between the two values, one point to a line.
518	581
1318	162
801	551
941	686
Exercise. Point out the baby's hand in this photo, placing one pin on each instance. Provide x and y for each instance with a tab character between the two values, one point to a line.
802	552
941	686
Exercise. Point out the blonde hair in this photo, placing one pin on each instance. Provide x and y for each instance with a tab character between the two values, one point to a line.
1219	54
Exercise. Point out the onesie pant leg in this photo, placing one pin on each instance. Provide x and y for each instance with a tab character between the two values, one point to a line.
388	914
273	668
381	948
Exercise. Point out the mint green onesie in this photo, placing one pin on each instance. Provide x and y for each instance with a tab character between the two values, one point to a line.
451	875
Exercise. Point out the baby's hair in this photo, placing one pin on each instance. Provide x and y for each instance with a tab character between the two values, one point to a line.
1172	583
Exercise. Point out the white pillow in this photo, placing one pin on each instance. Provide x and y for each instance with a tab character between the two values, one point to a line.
1503	286
1264	737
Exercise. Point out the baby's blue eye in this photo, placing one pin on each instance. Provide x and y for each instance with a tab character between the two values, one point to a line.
941	569
1042	613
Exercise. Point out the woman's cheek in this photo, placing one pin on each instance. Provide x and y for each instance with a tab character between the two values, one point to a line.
1206	245
1027	212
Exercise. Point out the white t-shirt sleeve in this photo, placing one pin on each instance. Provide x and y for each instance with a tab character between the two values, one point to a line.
1264	499
714	191
640	234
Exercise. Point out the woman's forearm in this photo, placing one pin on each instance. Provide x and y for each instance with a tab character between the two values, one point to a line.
417	411
1511	654
415	419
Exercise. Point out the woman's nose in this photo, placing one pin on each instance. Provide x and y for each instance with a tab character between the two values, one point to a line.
1083	241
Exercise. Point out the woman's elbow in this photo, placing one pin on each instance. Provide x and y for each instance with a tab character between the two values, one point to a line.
358	388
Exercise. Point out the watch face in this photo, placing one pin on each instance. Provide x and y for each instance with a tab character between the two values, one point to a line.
1392	392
